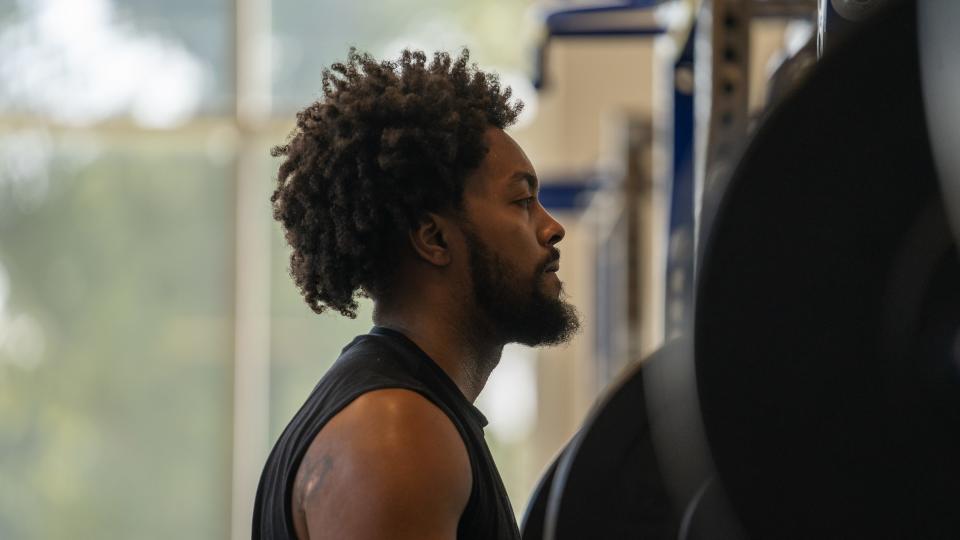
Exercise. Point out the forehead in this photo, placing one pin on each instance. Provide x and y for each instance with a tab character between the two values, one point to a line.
499	168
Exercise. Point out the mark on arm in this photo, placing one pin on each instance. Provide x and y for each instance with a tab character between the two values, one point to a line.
315	473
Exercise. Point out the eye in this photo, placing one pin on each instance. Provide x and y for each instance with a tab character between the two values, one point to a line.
526	202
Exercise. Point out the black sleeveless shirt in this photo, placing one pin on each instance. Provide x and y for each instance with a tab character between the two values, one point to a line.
383	359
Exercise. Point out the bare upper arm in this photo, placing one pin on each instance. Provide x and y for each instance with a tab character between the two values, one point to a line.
389	465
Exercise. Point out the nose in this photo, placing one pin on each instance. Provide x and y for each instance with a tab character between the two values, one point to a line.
552	231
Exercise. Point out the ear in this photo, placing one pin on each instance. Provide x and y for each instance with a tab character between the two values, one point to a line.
429	240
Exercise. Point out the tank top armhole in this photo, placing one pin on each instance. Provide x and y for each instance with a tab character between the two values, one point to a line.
342	404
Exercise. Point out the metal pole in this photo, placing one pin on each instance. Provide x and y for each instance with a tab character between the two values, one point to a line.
721	99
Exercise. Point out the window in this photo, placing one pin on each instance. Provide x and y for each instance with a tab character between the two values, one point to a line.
129	191
115	339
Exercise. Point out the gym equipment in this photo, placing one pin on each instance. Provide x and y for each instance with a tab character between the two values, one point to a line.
531	526
679	128
840	18
711	121
824	369
828	308
606	483
722	72
613	480
937	22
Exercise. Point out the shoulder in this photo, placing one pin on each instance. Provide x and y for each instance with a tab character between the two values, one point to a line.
385	458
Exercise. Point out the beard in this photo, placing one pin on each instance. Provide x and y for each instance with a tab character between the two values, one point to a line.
518	308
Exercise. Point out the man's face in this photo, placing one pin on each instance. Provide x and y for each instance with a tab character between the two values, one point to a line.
511	241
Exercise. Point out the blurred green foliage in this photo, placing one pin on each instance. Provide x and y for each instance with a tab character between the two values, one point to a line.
116	424
309	36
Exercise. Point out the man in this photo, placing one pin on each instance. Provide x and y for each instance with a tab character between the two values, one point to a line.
401	185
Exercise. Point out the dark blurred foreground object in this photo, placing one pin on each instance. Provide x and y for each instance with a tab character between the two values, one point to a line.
532	524
611	482
607	480
838	19
828	308
825	347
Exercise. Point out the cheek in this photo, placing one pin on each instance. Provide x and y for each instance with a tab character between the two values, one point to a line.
520	247
510	232
519	229
531	253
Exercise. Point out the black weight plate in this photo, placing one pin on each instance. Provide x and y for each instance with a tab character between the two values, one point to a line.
608	483
531	527
828	304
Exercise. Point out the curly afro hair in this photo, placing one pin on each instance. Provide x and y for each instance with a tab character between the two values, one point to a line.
386	143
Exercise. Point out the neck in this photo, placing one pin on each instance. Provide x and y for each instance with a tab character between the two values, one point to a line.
465	354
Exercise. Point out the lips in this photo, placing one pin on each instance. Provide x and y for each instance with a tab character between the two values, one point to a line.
554	263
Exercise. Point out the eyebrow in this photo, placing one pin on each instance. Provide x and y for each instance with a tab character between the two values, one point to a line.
523	176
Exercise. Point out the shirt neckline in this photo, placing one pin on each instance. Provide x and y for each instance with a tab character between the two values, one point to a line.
437	370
